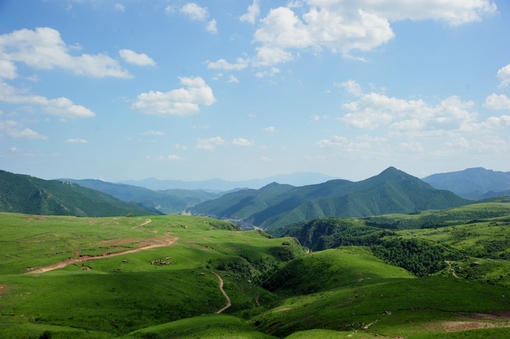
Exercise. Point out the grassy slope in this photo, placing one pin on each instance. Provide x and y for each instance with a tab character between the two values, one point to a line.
117	295
340	292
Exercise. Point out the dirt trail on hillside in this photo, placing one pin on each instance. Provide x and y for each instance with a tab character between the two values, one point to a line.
156	244
229	302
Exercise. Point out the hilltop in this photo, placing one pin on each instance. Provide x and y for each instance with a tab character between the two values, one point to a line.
273	206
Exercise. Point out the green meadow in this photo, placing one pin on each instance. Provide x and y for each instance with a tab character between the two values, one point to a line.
152	277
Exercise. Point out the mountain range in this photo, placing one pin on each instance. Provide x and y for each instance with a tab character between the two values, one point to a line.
171	201
220	185
276	205
26	194
472	183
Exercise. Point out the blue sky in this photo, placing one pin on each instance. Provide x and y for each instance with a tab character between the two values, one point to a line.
238	90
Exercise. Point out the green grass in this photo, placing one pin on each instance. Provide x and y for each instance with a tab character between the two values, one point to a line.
336	293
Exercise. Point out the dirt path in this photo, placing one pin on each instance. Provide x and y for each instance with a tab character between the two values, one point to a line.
146	222
65	263
229	302
449	263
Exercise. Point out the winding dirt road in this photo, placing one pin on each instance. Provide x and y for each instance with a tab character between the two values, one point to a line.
167	242
229	302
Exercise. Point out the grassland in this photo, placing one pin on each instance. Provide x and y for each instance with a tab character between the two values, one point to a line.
152	277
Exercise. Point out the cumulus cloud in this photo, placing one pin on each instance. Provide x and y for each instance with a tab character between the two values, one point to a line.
182	102
15	129
137	59
373	110
210	144
270	129
268	73
351	87
504	75
43	48
348	26
242	142
233	79
7	70
495	101
252	14
61	107
194	11
76	141
211	27
223	64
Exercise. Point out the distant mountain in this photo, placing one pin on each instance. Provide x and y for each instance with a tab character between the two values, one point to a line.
274	206
472	183
219	185
30	195
172	201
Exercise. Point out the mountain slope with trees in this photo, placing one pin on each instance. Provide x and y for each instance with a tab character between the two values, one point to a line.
274	206
25	194
171	201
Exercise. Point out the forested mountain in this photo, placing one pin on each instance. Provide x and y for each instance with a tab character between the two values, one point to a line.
274	206
472	183
30	195
172	201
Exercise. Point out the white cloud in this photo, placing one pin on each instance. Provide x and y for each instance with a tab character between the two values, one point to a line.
351	87
7	70
76	141
137	59
252	14
269	73
267	56
120	7
346	26
61	107
43	48
335	141
173	157
373	110
194	11
182	102
504	75
265	159
270	129
157	133
242	142
15	129
211	27
495	101
223	64
233	79
210	144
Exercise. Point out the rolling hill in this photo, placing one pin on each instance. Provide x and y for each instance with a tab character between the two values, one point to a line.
472	183
171	201
27	194
274	206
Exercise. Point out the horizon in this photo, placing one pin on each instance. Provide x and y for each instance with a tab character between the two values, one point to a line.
201	90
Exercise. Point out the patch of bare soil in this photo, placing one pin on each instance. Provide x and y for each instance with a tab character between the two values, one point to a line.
146	245
474	321
4	288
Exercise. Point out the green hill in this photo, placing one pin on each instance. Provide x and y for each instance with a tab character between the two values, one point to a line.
161	276
26	194
171	201
275	206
